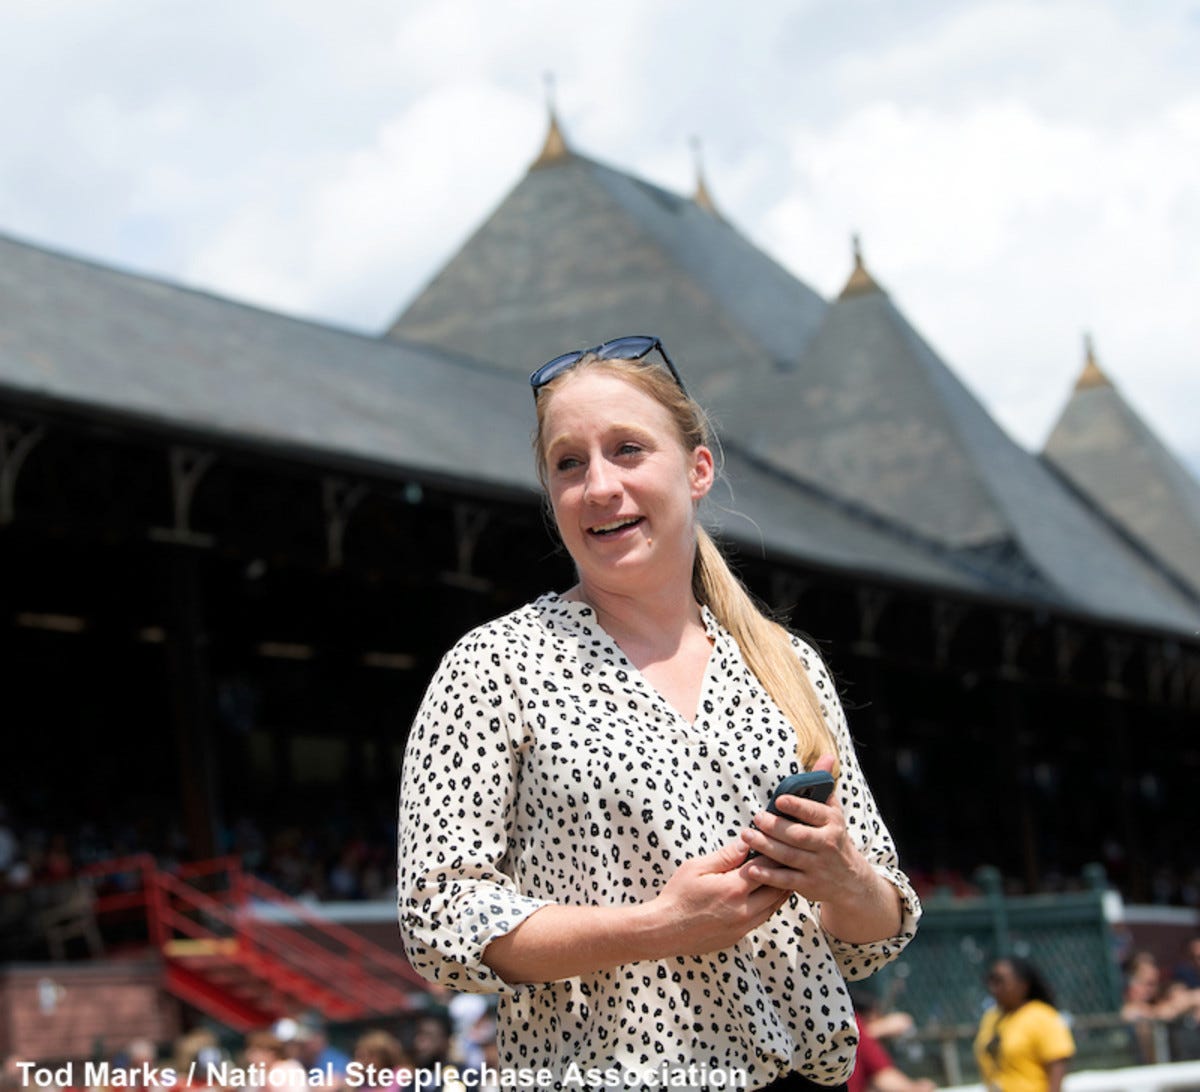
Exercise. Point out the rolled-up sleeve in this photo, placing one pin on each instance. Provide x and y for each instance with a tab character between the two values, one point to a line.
866	826
458	789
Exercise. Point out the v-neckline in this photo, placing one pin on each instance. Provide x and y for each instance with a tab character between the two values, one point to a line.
586	615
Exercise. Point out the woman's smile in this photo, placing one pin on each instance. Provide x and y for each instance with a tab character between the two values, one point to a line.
616	526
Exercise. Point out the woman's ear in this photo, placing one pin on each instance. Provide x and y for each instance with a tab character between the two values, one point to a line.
701	472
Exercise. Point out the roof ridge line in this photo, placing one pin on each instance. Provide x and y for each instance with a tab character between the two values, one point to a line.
727	318
1037	465
127	273
876	520
894	314
385	344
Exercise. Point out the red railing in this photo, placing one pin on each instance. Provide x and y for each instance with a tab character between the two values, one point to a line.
334	970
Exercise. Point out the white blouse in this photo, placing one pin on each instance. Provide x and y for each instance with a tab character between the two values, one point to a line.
543	768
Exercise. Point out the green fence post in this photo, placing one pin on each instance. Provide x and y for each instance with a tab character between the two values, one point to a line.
991	883
1097	881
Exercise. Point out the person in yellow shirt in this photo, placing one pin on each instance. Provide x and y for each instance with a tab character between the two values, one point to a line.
1023	1042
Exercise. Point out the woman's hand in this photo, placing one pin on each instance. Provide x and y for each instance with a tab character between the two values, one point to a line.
710	903
818	858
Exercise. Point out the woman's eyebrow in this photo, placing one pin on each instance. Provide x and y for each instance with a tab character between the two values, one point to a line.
638	431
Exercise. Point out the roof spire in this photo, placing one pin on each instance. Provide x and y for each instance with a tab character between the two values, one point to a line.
861	282
555	148
702	197
1091	376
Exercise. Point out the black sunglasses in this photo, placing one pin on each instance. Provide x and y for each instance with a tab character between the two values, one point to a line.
632	347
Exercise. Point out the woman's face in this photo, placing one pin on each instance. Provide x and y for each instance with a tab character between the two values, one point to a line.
1006	986
622	487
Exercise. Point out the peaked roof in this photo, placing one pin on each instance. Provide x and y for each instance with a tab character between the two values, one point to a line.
77	334
579	253
871	413
166	356
1105	449
863	453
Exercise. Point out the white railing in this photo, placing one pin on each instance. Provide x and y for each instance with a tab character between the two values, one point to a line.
1170	1077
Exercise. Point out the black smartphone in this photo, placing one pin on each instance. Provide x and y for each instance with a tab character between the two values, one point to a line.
814	785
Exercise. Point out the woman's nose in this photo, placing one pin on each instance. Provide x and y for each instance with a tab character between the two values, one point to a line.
600	482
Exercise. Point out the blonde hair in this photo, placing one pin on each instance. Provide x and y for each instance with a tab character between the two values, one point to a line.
765	645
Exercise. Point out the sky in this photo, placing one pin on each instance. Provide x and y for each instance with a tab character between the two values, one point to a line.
1020	173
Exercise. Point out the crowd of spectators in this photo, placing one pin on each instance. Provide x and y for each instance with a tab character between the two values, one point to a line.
446	1045
339	857
324	859
298	1053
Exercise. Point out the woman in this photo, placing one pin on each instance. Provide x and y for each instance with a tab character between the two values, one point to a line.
383	1061
586	776
1142	1004
1023	1043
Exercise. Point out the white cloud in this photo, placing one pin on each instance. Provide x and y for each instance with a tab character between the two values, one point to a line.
1004	234
354	243
1020	169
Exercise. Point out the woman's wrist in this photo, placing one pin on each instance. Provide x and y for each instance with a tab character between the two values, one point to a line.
867	909
649	930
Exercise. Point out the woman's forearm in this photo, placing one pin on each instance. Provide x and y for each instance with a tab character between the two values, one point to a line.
559	942
869	910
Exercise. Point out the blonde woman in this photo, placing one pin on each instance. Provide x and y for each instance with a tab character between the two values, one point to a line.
587	775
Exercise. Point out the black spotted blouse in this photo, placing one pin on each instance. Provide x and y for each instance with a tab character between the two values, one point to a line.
543	768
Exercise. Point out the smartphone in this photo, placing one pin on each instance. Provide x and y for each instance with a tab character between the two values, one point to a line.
815	785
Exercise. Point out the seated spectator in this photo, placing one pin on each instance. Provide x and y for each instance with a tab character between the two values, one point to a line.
430	1041
199	1045
381	1055
1142	1004
488	1067
874	1069
304	1039
1181	1004
268	1066
1187	970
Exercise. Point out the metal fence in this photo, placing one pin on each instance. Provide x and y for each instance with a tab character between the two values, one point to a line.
939	977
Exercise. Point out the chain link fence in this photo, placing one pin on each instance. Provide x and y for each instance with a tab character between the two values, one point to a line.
939	979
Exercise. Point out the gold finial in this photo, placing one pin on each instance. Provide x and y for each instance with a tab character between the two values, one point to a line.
702	197
861	282
555	148
1091	376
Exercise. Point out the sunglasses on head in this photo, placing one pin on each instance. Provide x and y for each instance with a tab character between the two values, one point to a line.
632	347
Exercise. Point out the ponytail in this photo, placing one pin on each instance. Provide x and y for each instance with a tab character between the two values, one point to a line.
766	647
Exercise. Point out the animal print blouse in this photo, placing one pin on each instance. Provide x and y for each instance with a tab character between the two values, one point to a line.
543	768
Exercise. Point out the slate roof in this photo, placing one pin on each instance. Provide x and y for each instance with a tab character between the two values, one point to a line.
578	253
851	445
81	334
88	337
757	505
845	397
869	412
1109	454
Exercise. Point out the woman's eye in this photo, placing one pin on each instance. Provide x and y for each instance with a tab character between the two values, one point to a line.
629	449
567	462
